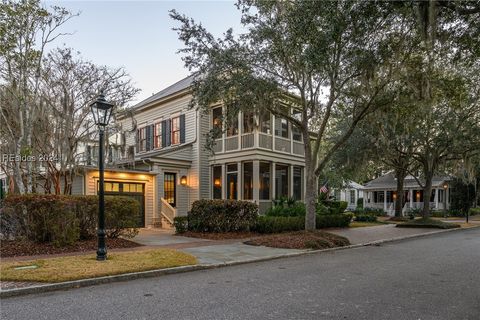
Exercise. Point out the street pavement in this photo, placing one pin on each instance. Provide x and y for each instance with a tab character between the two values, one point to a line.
434	277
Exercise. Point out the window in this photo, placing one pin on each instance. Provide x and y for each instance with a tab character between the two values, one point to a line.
169	188
297	183
142	139
176	130
337	195
281	127
158	135
296	133
248	122
232	178
281	181
248	181
217	122
352	196
264	173
233	126
265	120
217	182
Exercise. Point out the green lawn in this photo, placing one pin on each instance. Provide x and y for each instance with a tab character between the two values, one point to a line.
357	224
86	266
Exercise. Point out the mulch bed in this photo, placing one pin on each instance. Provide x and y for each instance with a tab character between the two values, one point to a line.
300	240
220	235
9	248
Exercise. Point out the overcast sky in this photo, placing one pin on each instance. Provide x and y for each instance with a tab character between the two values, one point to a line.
137	35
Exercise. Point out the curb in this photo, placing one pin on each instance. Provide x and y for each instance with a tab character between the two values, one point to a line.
160	272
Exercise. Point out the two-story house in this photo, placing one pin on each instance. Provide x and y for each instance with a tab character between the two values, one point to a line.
166	166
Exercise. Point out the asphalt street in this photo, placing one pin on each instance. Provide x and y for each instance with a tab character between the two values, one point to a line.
435	277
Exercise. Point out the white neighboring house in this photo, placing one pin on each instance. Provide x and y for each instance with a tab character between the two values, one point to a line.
381	193
351	192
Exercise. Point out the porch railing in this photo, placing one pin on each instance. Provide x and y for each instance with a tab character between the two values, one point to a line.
167	211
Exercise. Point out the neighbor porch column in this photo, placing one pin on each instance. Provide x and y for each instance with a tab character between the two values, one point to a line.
385	200
410	192
290	181
224	182
436	198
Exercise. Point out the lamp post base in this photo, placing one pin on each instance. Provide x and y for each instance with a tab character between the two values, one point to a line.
101	254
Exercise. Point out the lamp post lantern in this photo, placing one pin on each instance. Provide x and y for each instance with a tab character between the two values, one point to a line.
102	111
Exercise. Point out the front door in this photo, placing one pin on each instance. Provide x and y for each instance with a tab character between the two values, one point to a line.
169	188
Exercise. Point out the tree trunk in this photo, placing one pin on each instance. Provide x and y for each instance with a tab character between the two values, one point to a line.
427	193
400	176
311	189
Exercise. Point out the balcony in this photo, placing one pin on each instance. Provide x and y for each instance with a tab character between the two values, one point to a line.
258	140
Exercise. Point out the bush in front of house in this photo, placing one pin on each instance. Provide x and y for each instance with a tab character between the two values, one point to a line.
360	203
474	211
373	211
180	224
341	220
222	215
365	217
64	219
286	209
271	224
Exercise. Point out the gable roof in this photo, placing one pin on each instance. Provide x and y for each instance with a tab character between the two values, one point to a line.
388	181
178	86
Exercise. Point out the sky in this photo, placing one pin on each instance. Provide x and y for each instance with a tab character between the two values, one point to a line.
138	35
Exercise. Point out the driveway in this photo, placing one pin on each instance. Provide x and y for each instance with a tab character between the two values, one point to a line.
429	278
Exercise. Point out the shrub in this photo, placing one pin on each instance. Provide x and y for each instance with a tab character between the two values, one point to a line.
474	211
427	223
360	203
336	207
289	209
42	218
180	224
222	215
269	224
341	220
63	219
366	218
376	211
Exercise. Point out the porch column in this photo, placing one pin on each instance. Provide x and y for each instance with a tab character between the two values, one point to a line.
224	182
290	181
365	198
239	181
436	198
256	181
385	200
274	192
410	192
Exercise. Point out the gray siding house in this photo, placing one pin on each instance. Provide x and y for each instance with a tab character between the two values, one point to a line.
258	158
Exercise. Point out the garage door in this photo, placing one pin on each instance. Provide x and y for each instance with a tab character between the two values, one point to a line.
129	189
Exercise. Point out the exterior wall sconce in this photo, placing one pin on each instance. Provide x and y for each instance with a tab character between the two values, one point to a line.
183	180
217	182
445	186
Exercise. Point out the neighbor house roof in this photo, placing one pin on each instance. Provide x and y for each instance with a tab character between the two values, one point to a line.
388	181
178	86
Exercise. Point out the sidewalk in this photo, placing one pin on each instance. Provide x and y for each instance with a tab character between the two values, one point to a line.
213	253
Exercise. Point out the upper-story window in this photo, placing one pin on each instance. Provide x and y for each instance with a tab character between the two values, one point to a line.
296	133
217	121
233	127
158	135
265	122
176	130
248	122
281	127
142	139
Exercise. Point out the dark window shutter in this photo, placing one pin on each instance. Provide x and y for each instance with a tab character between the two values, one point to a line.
168	132
182	128
137	141
147	138
152	137
164	133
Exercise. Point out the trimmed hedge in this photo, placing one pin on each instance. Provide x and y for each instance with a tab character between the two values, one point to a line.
366	217
474	211
63	219
269	224
295	209
222	215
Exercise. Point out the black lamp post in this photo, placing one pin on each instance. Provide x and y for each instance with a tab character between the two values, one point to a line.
102	111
